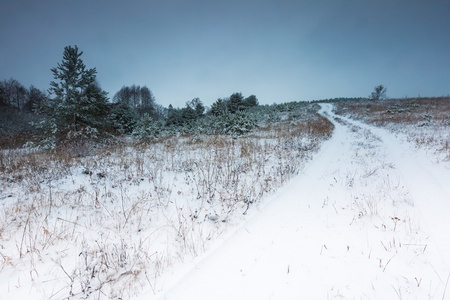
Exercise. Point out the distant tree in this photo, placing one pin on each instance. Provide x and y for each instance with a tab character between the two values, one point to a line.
147	102
2	94
123	95
236	102
147	129
135	98
35	99
94	105
13	93
123	117
139	98
170	109
187	115
199	109
17	112
218	108
173	116
197	105
378	93
250	101
160	112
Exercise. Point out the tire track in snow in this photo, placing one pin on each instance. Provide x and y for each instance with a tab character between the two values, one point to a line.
428	183
257	247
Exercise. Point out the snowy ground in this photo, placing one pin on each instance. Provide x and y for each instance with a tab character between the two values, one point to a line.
110	223
366	219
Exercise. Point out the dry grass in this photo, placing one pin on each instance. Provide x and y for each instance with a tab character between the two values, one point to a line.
109	220
424	121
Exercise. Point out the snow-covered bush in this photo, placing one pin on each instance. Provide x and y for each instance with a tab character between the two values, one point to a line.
239	123
123	118
147	129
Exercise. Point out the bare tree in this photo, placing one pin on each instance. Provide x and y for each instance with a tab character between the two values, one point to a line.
123	95
139	98
147	103
379	93
35	98
13	93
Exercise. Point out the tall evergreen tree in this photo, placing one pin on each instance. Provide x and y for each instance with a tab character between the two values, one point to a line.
79	101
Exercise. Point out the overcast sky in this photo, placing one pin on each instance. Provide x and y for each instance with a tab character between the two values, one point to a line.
278	50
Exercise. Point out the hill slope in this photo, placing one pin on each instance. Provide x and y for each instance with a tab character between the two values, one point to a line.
365	219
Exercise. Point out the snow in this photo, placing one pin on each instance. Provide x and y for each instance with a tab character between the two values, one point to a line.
366	219
109	224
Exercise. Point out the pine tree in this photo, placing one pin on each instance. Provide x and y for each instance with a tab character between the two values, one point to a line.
123	117
236	102
93	105
219	108
173	116
197	105
79	101
250	101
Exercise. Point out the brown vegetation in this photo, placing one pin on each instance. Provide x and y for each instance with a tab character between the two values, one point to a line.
115	208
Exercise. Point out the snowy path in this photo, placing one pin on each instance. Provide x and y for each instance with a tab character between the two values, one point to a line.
366	219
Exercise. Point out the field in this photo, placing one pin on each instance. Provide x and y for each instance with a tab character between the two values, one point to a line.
107	222
423	122
341	200
365	219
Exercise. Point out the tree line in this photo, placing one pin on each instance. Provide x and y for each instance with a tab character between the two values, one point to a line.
76	108
14	94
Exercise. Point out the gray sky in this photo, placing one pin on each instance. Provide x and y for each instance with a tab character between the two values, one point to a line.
278	50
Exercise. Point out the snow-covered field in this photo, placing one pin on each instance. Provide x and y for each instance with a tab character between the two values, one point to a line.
366	219
423	122
281	214
110	224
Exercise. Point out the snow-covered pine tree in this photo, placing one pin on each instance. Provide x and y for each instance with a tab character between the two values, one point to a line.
123	117
79	103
